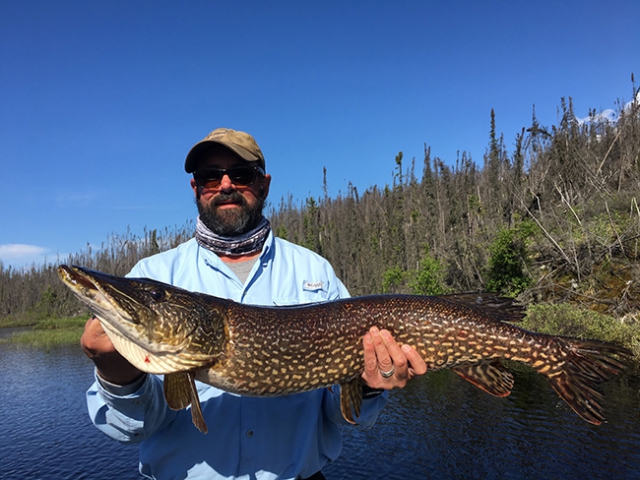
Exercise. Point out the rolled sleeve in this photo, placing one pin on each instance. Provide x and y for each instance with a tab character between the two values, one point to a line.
126	414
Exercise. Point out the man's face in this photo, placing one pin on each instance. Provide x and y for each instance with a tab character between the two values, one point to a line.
229	209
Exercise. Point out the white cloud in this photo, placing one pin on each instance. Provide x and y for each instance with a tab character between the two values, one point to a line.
609	114
18	255
16	251
606	115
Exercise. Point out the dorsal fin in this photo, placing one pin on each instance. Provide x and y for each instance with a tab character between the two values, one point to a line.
503	309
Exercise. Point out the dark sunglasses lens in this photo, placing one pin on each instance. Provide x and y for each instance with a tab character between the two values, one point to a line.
209	178
242	176
213	177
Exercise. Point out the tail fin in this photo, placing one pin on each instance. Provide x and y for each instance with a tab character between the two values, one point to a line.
586	365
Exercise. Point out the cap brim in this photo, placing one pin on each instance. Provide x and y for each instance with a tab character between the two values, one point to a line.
196	151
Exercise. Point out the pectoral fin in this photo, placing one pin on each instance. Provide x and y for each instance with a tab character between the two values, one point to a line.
492	377
351	399
180	392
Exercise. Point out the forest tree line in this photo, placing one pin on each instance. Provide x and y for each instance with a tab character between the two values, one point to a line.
555	220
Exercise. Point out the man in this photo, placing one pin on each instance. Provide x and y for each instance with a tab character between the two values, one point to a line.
235	255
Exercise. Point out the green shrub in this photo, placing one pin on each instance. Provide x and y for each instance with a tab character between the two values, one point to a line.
507	272
567	320
392	279
428	279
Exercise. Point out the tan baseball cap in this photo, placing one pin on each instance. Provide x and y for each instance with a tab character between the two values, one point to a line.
239	142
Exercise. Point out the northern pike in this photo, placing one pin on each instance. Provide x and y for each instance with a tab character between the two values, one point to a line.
270	351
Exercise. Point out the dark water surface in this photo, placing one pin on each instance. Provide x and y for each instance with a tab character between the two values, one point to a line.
440	427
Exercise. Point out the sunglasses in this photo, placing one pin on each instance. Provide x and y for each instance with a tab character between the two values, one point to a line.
240	176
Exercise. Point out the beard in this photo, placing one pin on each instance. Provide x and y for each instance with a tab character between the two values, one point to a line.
230	222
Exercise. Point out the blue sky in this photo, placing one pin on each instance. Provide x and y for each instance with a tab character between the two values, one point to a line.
101	100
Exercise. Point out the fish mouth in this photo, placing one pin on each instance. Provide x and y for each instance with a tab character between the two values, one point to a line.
99	291
88	288
73	277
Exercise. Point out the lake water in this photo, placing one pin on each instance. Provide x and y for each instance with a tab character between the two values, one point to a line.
440	427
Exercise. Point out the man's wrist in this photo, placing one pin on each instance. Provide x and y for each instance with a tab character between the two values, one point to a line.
121	389
368	392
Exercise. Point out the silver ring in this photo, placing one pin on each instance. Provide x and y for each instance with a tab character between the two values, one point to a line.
388	374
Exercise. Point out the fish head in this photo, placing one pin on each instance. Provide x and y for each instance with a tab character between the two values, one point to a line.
159	328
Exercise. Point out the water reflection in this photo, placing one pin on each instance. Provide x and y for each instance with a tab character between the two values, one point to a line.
443	428
438	428
46	432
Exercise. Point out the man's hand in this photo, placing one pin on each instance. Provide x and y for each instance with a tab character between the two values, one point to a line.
112	366
388	365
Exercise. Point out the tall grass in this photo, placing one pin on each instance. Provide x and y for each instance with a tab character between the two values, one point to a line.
49	334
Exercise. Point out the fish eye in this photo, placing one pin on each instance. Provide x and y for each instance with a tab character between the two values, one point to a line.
157	295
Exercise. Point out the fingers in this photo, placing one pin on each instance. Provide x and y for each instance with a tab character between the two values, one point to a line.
111	366
370	359
392	362
94	340
387	351
418	365
387	364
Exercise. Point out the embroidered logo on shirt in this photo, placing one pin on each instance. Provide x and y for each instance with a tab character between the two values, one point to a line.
313	286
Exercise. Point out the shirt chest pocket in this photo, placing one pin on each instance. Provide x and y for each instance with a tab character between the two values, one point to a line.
307	292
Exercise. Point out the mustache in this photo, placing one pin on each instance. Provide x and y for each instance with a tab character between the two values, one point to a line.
233	197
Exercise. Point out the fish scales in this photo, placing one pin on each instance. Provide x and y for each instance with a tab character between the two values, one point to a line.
325	339
266	351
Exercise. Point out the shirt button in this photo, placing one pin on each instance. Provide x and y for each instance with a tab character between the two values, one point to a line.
249	433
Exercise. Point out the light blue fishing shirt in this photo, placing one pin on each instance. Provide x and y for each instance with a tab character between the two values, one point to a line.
249	438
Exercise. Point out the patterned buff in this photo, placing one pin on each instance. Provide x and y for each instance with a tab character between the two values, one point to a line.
249	242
